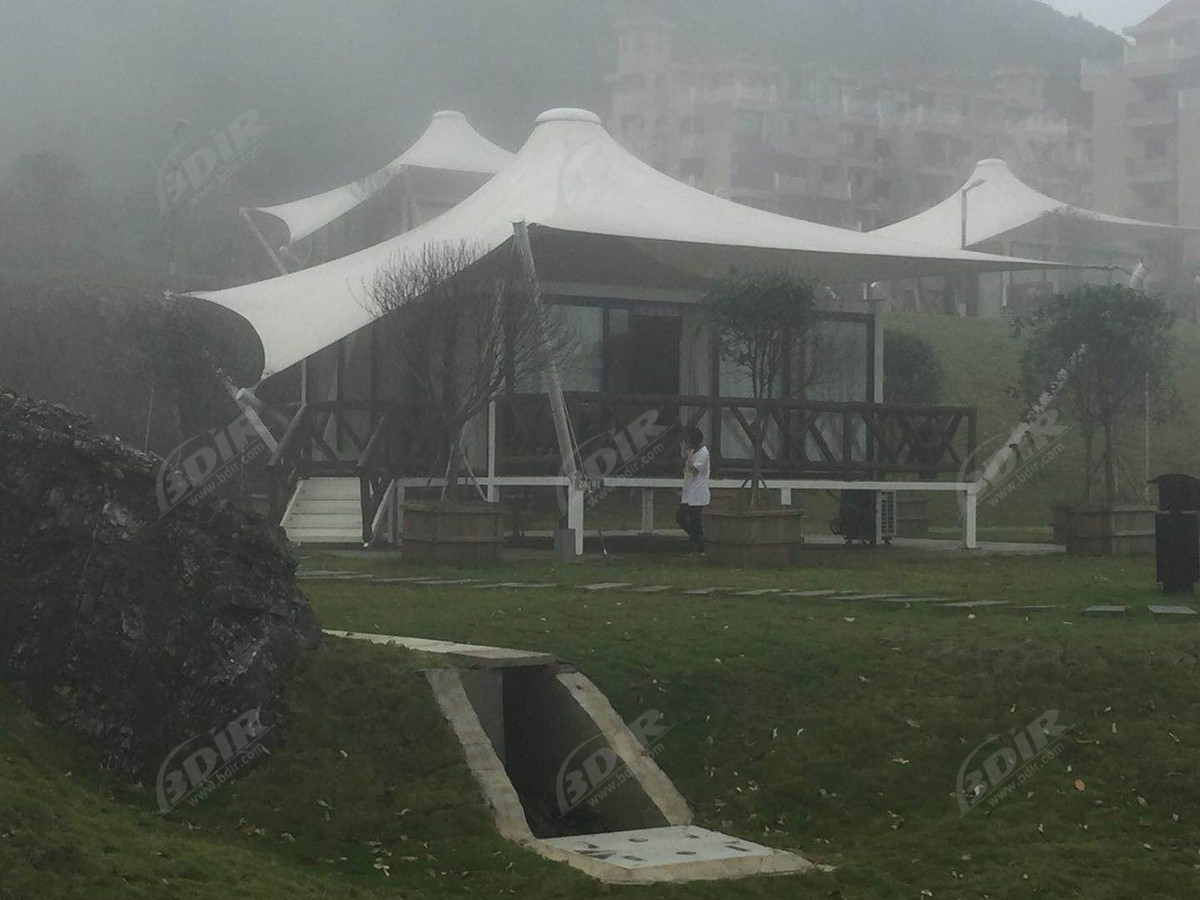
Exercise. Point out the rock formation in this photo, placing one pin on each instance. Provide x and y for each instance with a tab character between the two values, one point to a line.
138	628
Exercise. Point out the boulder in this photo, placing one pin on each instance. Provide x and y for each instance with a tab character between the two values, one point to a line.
137	627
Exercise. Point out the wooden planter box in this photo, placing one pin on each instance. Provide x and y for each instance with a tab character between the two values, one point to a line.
737	536
453	534
912	515
1108	530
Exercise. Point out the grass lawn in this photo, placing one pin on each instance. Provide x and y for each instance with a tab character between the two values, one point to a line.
981	359
834	728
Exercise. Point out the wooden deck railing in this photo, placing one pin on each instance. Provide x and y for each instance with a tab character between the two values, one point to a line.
801	439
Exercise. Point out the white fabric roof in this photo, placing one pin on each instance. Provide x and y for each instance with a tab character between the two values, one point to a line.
572	178
1000	203
448	143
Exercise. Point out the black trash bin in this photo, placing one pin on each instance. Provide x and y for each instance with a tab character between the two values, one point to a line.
1177	532
856	517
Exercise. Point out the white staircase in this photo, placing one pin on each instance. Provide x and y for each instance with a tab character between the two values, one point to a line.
325	511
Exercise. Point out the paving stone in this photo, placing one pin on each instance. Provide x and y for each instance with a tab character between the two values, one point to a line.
704	592
335	576
908	600
652	589
756	592
407	579
526	585
1172	610
977	604
488	656
668	853
866	596
1037	607
810	593
607	585
445	581
1105	610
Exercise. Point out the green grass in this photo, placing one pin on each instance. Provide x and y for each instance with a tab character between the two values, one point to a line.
787	719
981	358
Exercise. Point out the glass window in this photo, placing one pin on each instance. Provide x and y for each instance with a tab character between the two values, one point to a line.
618	322
834	363
585	369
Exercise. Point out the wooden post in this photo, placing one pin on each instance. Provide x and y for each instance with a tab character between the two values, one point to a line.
971	506
647	510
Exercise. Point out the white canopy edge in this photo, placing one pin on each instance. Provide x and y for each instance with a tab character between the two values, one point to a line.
572	178
449	143
998	202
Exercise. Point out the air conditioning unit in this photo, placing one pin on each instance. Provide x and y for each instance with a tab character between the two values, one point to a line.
858	513
887	515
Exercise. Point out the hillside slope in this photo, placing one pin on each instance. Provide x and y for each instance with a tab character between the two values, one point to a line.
981	359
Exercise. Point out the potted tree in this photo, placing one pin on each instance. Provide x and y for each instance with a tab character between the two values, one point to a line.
461	327
1119	341
912	374
759	322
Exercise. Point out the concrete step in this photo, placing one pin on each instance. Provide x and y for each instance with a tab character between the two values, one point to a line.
326	523
324	536
331	488
330	507
325	508
325	511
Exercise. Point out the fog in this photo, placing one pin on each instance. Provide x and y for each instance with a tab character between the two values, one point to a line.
344	86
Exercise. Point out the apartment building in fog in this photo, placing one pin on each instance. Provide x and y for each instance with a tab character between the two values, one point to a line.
1146	119
853	149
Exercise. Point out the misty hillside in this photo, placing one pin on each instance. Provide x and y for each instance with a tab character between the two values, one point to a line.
972	36
347	86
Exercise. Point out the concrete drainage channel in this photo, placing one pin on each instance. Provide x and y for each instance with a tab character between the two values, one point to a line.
566	778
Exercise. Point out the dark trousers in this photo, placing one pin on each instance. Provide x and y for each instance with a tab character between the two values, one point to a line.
691	520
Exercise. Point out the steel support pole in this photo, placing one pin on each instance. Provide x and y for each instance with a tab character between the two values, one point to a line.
283	270
492	491
558	404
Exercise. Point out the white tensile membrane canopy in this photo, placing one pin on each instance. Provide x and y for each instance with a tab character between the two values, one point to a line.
449	143
573	182
999	202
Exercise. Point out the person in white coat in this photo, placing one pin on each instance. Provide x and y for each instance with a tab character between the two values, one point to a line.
695	495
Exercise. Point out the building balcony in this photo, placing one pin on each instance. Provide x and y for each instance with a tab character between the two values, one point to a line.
1158	60
860	111
1092	71
862	158
939	169
938	121
797	186
1153	171
1152	115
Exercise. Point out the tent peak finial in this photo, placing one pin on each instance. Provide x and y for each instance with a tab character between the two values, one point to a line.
567	114
448	114
993	163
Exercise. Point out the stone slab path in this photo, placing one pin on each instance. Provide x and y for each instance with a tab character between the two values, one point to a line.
901	600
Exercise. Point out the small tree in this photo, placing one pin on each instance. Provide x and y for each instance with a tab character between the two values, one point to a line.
759	321
462	328
1127	339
